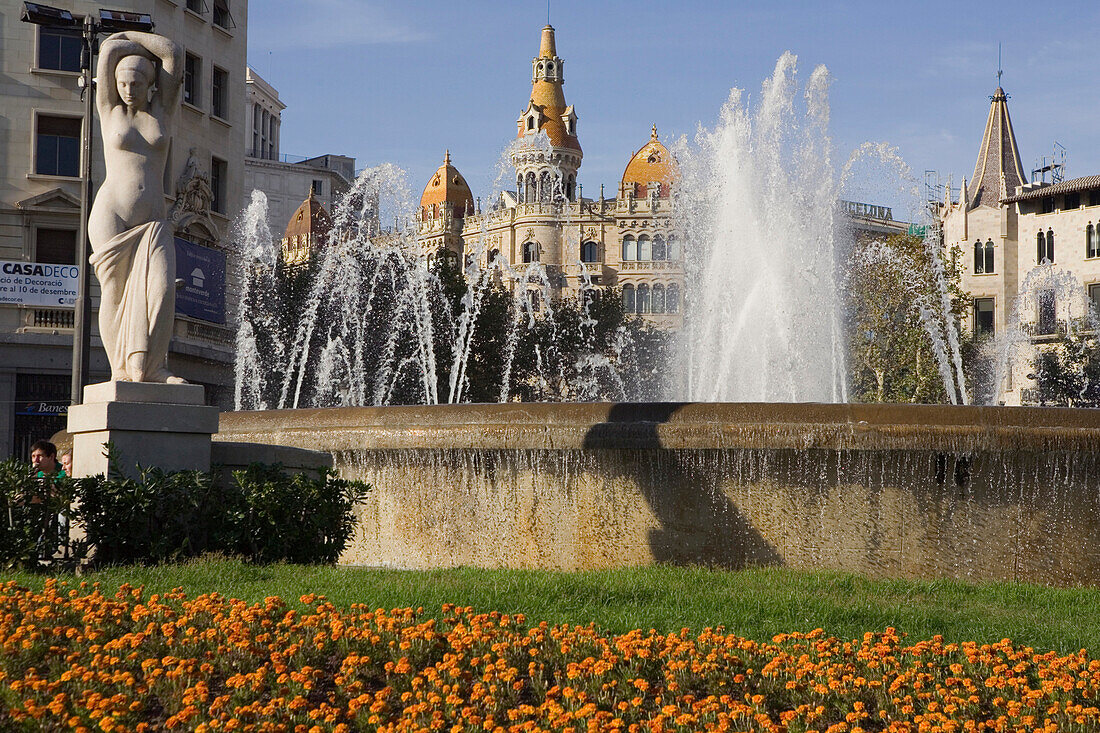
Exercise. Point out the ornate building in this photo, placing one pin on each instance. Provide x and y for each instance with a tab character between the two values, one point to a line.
1016	240
625	242
305	232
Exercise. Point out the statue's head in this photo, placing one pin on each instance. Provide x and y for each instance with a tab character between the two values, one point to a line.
134	78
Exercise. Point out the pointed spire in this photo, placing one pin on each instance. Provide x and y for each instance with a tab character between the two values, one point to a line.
547	48
998	167
447	157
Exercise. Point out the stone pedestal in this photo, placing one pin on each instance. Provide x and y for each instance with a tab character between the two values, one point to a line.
152	425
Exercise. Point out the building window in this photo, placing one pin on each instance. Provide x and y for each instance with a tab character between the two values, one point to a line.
1092	241
59	48
219	94
218	181
659	247
672	299
1072	201
222	18
530	252
1047	312
1094	300
629	304
643	298
590	252
192	73
658	298
196	6
674	249
989	257
57	146
630	248
317	187
1044	247
1046	206
494	255
645	248
983	317
979	259
55	246
1094	197
546	188
256	149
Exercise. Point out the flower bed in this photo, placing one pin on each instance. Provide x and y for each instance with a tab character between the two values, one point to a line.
74	658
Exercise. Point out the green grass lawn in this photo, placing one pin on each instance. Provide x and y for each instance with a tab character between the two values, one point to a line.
757	603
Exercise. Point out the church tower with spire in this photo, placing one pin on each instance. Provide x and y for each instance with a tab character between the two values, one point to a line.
981	231
548	153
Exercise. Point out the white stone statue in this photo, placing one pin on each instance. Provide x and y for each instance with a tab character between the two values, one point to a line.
138	83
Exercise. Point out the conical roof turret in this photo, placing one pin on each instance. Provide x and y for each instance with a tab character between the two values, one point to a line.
998	168
547	110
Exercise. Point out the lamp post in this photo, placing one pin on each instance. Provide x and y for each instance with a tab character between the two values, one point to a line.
109	21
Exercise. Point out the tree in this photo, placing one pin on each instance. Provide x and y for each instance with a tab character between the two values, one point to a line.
899	341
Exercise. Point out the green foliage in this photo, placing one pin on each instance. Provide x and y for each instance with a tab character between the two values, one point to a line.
1067	372
35	513
261	513
889	352
296	518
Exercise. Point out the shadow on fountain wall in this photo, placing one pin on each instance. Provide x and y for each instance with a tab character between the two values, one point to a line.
697	526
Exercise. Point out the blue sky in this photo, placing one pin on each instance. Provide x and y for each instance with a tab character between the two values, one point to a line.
400	82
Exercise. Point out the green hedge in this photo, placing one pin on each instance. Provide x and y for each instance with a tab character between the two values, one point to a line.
261	513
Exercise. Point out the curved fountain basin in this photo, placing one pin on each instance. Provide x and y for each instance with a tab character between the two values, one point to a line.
976	493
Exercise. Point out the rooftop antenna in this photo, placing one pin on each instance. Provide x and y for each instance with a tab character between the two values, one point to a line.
547	12
1000	70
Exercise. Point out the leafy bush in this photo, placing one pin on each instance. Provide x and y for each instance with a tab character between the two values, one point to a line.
260	513
35	517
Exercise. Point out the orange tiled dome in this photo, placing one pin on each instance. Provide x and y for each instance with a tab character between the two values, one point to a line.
652	163
310	218
447	186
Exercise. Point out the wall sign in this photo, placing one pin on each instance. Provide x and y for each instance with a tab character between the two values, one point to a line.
38	284
202	270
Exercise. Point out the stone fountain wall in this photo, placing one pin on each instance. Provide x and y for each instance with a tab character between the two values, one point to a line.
890	491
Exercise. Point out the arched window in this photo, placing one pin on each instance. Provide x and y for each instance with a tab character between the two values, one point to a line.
674	249
1092	241
530	252
658	298
519	188
531	194
630	248
546	188
530	123
645	248
658	247
628	298
989	256
571	187
1040	247
590	252
672	299
643	298
979	260
1050	245
494	255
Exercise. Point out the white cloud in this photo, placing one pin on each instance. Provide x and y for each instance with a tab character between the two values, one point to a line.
318	24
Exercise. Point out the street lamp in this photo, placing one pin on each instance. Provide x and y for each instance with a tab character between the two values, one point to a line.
109	21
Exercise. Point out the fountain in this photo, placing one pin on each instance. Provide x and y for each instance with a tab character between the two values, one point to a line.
789	475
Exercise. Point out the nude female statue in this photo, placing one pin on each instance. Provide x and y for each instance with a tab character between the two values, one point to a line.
138	88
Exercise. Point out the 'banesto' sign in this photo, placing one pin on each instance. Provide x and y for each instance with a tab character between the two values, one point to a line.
202	270
38	284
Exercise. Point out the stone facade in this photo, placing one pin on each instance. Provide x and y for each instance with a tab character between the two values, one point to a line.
41	115
286	184
993	230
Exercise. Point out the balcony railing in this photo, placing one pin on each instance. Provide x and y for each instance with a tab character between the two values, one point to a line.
53	318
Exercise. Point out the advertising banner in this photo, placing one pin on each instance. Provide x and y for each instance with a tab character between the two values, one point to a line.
38	284
202	270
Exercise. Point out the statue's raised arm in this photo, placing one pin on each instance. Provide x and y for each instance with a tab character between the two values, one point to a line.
138	81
